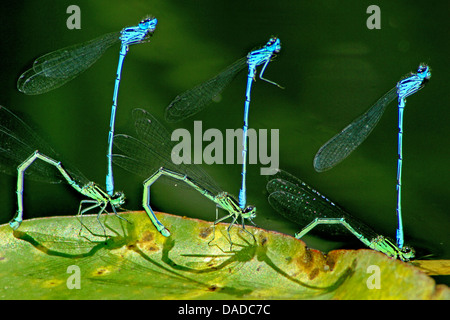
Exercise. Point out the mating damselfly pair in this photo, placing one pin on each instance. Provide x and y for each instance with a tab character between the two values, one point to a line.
22	148
302	204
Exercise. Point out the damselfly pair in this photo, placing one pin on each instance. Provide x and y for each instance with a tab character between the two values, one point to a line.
22	148
49	72
302	204
54	69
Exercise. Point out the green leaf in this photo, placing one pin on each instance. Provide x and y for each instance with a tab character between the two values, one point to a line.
135	262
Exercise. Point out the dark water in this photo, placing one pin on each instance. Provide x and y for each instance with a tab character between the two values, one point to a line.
331	65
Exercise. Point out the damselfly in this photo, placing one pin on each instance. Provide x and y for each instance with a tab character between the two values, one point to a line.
197	98
59	67
21	146
342	144
303	205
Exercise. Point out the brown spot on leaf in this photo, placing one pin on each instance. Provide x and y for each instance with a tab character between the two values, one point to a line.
152	248
147	242
205	232
264	241
101	271
307	263
330	262
131	246
52	283
313	273
212	288
308	259
147	237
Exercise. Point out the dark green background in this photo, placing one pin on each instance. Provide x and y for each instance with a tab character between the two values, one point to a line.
332	67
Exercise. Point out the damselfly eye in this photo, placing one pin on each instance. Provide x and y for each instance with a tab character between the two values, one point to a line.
248	209
410	252
148	23
119	196
424	71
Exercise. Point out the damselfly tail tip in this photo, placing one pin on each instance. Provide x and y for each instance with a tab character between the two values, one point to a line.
14	224
165	232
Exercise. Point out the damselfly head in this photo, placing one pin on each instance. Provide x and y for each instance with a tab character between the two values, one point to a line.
275	43
424	72
148	23
413	82
407	253
140	33
118	199
249	212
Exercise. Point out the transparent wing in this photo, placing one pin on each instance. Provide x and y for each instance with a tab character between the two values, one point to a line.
18	141
301	204
59	67
196	99
341	145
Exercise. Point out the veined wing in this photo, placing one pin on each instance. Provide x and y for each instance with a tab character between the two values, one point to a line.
56	68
